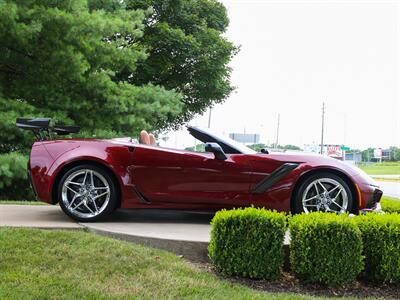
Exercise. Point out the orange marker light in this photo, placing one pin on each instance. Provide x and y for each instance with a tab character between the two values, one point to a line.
359	195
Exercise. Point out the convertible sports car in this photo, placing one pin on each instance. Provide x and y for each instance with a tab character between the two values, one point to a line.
90	178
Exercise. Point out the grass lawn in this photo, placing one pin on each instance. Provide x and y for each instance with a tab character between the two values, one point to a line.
41	264
387	179
384	168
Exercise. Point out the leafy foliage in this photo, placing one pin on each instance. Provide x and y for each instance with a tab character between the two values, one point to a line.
108	65
14	183
248	242
325	248
381	239
394	154
258	147
368	154
390	206
198	148
186	51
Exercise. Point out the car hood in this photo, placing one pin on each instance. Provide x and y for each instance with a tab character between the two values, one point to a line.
321	161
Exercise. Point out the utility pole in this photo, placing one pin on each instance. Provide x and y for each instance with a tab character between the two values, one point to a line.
277	132
209	119
322	130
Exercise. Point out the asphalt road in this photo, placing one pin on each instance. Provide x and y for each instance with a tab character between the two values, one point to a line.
391	189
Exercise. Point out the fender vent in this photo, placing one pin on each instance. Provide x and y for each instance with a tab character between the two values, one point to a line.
141	197
273	178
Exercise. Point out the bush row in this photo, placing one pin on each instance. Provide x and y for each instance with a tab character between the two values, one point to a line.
381	239
328	249
14	184
325	248
248	242
390	206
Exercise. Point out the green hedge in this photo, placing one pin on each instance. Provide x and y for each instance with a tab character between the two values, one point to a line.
248	242
14	184
390	205
381	239
325	248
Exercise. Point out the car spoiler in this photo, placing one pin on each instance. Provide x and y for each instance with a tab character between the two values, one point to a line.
42	129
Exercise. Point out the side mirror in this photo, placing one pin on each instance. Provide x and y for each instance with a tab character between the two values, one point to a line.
264	150
217	150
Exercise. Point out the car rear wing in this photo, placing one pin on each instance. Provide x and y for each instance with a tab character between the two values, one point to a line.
42	129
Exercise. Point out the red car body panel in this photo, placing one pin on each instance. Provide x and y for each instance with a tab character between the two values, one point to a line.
176	179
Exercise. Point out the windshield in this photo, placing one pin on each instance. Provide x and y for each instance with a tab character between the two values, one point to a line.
229	145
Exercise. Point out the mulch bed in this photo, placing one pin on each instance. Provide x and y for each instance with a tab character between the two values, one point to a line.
290	284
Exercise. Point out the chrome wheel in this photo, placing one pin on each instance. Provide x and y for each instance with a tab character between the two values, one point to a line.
85	193
325	194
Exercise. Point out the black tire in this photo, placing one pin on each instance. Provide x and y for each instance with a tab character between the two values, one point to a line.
101	177
299	194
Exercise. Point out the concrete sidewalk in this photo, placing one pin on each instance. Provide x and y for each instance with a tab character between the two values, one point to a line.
164	224
35	216
183	233
154	223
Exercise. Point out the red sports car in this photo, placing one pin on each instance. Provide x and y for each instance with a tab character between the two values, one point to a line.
90	178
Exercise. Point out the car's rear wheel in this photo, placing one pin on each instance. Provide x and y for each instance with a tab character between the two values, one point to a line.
324	192
87	193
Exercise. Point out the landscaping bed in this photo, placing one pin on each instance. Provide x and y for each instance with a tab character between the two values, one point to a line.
330	254
288	283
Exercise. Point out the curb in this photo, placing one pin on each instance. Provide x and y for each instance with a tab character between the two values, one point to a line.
191	250
196	251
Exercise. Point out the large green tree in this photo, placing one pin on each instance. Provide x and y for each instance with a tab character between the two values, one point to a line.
110	66
186	51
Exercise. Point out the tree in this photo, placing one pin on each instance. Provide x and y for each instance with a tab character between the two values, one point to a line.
367	154
112	67
198	148
394	153
258	147
291	147
186	52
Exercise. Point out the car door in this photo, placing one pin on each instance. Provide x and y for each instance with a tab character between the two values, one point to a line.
182	177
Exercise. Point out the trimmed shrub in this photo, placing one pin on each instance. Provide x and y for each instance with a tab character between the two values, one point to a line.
14	183
325	248
248	242
381	239
390	206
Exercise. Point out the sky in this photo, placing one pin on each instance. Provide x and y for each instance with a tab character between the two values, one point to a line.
297	54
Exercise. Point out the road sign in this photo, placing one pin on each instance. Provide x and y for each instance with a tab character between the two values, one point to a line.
344	148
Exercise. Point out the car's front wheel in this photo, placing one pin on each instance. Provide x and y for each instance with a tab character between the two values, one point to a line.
87	193
324	192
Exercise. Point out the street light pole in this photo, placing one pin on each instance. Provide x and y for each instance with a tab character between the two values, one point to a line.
209	119
277	131
322	129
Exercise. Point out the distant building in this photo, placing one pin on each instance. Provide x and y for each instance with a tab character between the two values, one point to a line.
353	157
334	151
245	138
381	154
